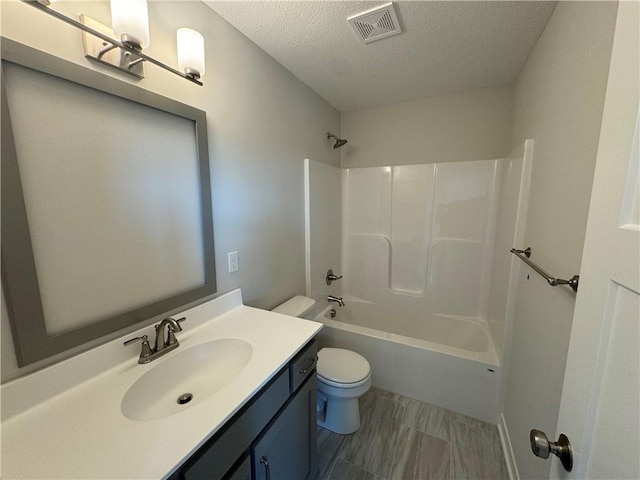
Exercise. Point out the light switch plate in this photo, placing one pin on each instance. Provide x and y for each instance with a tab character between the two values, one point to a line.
233	261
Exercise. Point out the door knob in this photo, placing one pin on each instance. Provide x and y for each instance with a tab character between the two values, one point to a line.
541	447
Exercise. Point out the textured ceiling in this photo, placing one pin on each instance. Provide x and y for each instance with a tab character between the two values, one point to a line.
446	47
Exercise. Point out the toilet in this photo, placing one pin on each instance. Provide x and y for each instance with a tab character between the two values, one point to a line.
343	377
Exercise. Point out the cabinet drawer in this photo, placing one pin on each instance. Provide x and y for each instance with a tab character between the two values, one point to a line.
303	364
215	459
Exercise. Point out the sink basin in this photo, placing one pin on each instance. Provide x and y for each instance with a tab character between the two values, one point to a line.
191	376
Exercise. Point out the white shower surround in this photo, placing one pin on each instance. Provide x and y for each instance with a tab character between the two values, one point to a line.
426	335
418	239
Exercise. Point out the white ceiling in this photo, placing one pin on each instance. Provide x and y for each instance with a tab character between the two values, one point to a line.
446	47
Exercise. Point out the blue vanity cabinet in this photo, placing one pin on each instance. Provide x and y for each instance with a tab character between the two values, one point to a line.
278	423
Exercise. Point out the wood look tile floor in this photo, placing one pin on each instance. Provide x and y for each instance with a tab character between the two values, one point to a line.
403	438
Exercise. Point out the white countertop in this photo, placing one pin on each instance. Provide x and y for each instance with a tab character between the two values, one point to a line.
65	421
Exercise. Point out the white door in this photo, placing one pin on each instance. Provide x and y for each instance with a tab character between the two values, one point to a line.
600	404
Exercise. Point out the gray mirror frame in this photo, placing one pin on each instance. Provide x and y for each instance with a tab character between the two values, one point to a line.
19	274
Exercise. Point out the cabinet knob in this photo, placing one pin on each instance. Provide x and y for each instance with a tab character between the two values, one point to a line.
309	366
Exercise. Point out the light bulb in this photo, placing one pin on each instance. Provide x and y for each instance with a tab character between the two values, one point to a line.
130	21
190	52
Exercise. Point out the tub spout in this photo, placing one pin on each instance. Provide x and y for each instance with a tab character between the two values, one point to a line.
337	300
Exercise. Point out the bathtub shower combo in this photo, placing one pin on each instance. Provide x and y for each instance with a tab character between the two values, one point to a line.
424	254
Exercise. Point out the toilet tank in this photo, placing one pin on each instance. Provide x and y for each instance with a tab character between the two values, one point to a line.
296	306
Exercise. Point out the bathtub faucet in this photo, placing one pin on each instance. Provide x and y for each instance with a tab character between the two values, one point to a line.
337	300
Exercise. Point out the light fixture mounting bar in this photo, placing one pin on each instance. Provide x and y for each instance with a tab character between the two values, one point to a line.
106	53
106	38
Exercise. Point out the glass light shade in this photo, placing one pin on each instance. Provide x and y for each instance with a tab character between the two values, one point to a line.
130	21
190	52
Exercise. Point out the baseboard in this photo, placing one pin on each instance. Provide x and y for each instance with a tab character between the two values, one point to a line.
512	467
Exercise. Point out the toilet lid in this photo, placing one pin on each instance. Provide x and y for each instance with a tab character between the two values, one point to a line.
342	366
295	306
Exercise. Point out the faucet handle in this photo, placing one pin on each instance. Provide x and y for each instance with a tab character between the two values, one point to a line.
146	352
330	278
143	339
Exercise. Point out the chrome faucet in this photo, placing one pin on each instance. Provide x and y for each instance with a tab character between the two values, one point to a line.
162	345
337	300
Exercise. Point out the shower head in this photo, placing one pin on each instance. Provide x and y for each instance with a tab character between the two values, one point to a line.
339	141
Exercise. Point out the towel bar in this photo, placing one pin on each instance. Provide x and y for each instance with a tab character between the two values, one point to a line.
524	256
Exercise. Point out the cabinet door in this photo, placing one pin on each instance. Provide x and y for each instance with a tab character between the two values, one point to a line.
287	449
214	460
242	471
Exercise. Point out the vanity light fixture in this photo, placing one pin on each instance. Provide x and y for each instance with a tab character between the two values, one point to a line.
122	47
190	52
130	20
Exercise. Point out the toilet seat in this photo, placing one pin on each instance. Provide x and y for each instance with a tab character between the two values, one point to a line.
342	368
331	383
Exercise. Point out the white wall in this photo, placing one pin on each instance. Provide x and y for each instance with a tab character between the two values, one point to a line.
262	123
473	125
559	98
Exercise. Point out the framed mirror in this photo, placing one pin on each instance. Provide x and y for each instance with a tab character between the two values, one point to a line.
106	203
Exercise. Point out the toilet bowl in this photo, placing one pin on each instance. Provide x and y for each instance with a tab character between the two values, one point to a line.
343	377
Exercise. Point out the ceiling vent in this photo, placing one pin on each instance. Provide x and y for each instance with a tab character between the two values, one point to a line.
375	24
